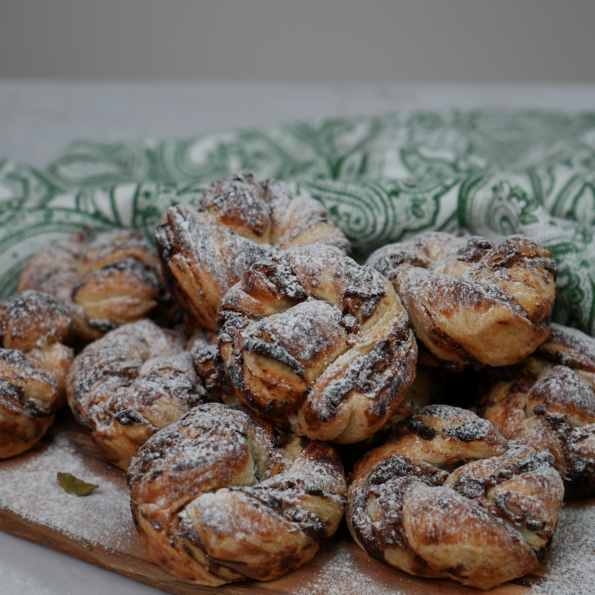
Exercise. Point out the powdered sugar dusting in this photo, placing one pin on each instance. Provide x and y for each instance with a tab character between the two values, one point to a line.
341	572
30	490
570	347
571	565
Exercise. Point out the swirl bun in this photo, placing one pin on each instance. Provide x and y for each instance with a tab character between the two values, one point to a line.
238	222
550	405
316	340
37	325
448	497
221	496
104	280
471	301
131	383
28	400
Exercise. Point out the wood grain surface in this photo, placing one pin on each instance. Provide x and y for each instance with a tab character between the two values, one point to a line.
340	567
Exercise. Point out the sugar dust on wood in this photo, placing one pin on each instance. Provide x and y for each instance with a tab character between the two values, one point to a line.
29	489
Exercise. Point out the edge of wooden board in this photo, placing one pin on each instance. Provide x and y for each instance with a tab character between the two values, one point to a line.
146	572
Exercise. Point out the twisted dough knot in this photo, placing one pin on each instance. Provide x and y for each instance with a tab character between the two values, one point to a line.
314	339
221	496
131	383
550	405
471	301
448	497
37	325
104	280
33	367
238	222
27	403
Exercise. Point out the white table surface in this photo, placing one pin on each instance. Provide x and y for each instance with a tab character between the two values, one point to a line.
38	120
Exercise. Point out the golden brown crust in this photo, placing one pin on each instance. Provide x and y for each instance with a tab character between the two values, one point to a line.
37	325
448	497
104	280
238	222
314	339
549	404
131	383
32	320
471	301
27	403
220	497
572	348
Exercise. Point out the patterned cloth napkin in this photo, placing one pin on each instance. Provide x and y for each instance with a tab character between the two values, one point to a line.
381	178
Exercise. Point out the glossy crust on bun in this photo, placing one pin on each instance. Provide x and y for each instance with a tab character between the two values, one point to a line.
472	301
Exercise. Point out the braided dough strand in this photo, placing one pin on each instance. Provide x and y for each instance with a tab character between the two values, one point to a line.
238	222
221	497
33	368
550	405
104	280
28	398
471	301
37	325
447	496
314	339
136	380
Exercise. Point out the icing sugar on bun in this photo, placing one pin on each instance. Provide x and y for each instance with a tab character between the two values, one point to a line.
28	399
238	222
104	280
37	325
448	497
314	340
472	301
549	404
136	380
221	496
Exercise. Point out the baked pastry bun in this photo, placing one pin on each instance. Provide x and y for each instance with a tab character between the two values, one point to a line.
472	301
136	380
104	280
28	399
237	222
314	340
37	325
221	496
448	497
549	404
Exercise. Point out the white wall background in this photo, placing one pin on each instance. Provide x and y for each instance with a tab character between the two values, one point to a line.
314	40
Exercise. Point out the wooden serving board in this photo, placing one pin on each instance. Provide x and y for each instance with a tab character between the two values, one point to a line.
99	529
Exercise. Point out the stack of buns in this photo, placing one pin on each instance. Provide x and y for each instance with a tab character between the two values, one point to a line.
233	418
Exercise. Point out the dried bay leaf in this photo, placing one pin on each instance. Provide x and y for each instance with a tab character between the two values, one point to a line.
73	485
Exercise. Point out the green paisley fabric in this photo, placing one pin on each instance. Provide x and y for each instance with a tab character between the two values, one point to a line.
382	179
